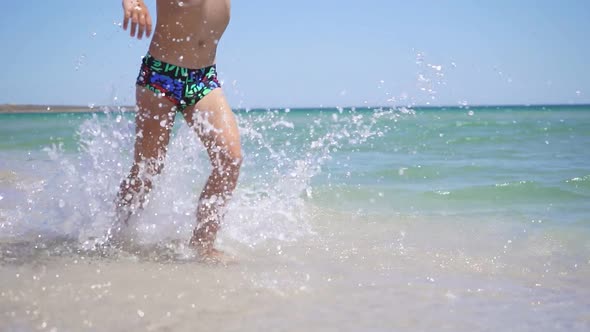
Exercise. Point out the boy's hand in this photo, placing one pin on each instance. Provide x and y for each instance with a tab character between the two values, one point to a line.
137	12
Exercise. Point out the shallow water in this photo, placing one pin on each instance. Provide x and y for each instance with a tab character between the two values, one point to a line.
344	220
356	273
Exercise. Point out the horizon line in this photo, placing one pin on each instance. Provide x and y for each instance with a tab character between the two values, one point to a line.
47	108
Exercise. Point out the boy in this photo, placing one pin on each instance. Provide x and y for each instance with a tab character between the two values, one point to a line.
179	75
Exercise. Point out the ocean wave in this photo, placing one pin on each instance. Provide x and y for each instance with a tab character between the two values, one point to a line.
579	181
514	192
427	172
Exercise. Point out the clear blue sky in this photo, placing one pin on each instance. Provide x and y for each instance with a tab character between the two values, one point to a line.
316	52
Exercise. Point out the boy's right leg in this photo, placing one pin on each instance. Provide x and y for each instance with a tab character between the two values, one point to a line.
153	124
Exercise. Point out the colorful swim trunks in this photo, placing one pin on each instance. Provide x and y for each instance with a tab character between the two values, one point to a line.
182	86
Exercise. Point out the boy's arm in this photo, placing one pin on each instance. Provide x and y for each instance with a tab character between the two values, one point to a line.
138	13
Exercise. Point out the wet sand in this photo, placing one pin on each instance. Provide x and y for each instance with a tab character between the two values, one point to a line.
354	275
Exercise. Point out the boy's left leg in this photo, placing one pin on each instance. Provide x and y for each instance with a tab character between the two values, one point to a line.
216	126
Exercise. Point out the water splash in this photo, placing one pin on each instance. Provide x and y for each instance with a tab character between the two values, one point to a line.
283	152
429	77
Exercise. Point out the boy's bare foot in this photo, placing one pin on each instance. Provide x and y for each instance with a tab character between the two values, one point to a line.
210	255
215	256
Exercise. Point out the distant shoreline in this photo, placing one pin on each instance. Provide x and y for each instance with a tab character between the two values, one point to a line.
13	109
19	109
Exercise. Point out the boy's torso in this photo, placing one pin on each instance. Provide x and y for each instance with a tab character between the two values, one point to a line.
187	32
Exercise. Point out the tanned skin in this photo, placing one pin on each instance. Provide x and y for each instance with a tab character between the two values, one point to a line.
186	34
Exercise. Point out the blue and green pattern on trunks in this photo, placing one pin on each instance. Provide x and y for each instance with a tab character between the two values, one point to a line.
182	86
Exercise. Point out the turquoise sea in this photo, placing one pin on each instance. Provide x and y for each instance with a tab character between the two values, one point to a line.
354	219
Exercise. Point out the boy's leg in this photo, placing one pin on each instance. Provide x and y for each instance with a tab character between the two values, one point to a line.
216	126
153	124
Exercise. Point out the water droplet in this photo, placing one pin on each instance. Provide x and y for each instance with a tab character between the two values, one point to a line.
140	313
450	295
